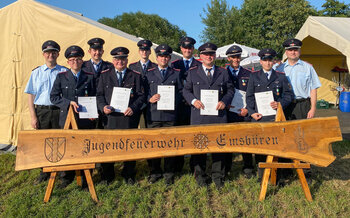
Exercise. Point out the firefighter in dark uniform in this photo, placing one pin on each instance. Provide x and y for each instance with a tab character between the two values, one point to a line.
142	66
96	65
67	87
184	109
162	75
208	77
120	76
267	79
240	77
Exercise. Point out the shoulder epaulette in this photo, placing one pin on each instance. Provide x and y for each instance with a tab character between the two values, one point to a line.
254	71
175	61
151	69
194	67
176	69
36	68
133	63
89	73
136	71
223	68
279	72
63	72
103	71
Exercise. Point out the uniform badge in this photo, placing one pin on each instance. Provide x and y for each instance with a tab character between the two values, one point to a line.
243	82
278	91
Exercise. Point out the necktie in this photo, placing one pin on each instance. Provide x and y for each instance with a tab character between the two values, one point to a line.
120	78
144	67
267	76
162	72
187	65
208	73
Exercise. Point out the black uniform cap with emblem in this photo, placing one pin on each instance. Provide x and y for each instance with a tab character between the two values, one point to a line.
144	44
267	54
74	51
50	45
234	51
207	48
96	43
120	52
292	44
187	42
163	49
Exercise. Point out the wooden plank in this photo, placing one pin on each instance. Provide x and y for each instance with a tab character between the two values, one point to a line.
284	165
69	167
306	140
273	179
50	186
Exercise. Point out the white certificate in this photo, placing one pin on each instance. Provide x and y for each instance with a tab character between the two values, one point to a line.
210	99
87	107
238	101
263	100
120	99
167	98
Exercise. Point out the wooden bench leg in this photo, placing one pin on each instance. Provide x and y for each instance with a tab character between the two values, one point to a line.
303	182
273	180
50	186
265	179
79	178
90	185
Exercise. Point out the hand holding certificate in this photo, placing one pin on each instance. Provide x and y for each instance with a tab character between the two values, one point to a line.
263	101
210	99
87	107
120	99
167	98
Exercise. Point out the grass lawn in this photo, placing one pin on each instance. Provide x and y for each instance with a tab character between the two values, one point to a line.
19	197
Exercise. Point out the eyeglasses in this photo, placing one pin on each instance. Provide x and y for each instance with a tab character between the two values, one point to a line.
75	60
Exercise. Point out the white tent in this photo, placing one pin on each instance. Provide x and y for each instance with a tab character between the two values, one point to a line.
252	62
246	51
326	44
25	25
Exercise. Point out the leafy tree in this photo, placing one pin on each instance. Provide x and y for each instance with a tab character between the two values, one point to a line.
334	8
222	23
267	23
148	26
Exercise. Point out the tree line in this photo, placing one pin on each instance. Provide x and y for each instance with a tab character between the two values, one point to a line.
258	23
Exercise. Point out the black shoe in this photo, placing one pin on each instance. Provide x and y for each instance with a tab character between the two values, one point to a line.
42	177
218	183
169	180
202	181
154	178
129	181
248	173
64	183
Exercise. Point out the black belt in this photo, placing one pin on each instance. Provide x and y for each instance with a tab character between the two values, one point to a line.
48	107
301	100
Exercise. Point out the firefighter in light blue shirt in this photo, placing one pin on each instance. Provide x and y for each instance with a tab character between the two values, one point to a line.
304	81
44	115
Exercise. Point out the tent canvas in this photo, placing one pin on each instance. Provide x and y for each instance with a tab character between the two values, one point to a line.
25	25
326	44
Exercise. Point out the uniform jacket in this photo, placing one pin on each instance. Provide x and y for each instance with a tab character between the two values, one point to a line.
152	80
88	67
278	84
184	109
109	80
67	89
136	66
239	82
196	81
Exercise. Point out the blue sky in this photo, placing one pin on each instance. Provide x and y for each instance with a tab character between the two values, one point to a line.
184	13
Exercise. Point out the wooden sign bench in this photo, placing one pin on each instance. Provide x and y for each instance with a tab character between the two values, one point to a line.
71	149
